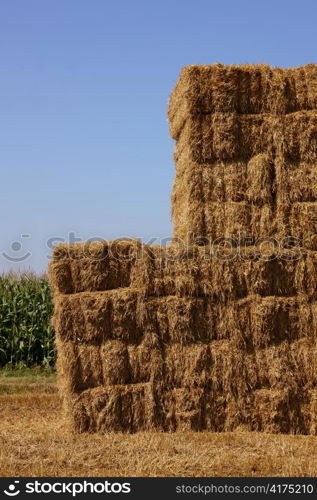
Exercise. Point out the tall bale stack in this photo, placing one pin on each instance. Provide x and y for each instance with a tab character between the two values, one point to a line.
201	334
246	153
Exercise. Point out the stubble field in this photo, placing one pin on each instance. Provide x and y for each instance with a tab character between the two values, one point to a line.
35	442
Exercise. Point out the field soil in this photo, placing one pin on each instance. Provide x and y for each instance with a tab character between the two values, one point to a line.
35	442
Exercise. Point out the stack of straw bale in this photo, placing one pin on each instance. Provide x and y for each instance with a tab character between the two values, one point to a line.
202	334
246	153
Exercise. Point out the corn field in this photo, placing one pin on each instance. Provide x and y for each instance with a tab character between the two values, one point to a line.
26	335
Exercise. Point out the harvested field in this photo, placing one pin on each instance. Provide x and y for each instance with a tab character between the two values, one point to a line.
36	443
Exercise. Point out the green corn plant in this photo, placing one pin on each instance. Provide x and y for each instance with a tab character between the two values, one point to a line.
26	333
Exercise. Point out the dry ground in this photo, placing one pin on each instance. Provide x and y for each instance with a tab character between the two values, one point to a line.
34	442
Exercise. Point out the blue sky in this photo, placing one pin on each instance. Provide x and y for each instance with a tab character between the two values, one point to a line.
84	141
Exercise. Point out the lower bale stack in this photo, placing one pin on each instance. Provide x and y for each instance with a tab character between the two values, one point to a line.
190	341
213	386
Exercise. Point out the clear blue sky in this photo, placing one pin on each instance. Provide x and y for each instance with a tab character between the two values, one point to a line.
84	86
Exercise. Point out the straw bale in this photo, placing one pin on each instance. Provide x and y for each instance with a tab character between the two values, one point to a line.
187	366
146	360
174	319
219	278
187	409
188	421
67	369
62	319
183	409
185	318
188	400
248	89
118	408
229	136
79	367
227	220
89	366
120	249
219	181
225	181
215	414
305	275
273	275
239	222
298	139
287	365
124	315
142	273
273	411
272	320
114	357
280	365
93	266
254	321
60	276
303	354
233	370
296	182
303	224
261	179
96	316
